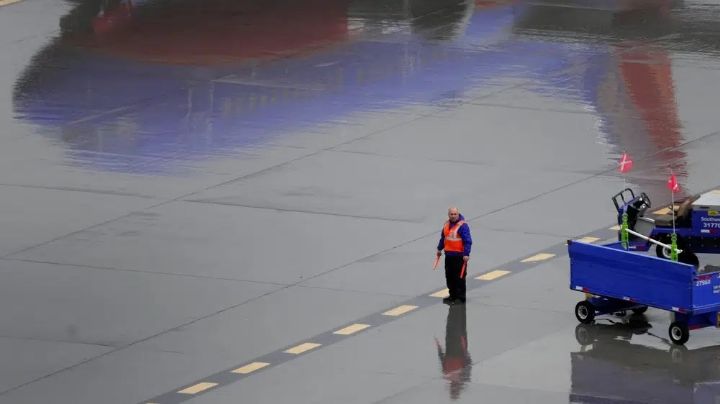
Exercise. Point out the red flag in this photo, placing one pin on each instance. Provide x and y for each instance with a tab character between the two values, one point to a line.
626	163
672	184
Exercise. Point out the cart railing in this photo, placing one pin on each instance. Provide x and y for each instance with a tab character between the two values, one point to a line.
668	246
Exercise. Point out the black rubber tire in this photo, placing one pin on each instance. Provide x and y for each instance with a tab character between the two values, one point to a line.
640	310
659	250
583	334
679	333
689	258
585	312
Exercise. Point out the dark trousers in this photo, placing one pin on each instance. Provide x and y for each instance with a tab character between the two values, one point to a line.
455	284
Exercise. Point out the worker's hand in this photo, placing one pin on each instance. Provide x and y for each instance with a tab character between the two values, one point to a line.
466	258
439	253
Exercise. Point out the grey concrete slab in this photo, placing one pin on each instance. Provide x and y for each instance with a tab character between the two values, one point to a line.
495	137
31	217
409	351
226	242
500	108
561	213
229	339
290	316
27	164
359	125
439	392
106	379
700	164
31	359
407	270
326	385
545	289
534	97
108	307
695	86
351	188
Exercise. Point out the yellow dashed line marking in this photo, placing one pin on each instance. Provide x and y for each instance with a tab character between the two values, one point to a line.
351	329
538	257
588	239
400	310
492	275
441	293
297	350
615	228
8	2
197	388
250	367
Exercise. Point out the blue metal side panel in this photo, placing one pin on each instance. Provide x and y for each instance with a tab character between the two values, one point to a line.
706	292
612	272
704	224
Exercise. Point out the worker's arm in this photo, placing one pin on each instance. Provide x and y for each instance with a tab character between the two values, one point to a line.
464	233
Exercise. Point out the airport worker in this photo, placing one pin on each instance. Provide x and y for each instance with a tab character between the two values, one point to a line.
456	241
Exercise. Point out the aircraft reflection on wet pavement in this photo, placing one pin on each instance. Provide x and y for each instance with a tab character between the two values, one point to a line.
127	91
455	359
610	367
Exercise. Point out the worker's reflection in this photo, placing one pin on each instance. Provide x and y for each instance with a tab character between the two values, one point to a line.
455	360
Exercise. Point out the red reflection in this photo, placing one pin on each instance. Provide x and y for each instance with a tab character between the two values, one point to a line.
216	31
648	77
647	74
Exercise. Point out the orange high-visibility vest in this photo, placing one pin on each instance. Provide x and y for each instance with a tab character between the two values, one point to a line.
453	242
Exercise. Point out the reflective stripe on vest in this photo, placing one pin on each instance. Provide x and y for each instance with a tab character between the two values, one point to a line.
453	242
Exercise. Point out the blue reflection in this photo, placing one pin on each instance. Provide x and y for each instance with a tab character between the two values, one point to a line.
612	367
116	110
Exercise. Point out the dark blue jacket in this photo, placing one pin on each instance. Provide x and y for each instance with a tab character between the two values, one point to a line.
464	233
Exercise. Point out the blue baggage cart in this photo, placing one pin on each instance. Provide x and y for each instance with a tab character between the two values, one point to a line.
615	280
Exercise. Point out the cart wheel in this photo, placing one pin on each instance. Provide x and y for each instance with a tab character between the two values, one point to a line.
686	257
677	353
640	310
689	258
583	334
662	252
679	333
665	253
585	312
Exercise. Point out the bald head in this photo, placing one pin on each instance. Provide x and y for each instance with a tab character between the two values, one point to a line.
453	214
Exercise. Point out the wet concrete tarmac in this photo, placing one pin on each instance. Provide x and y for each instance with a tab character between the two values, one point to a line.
191	189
